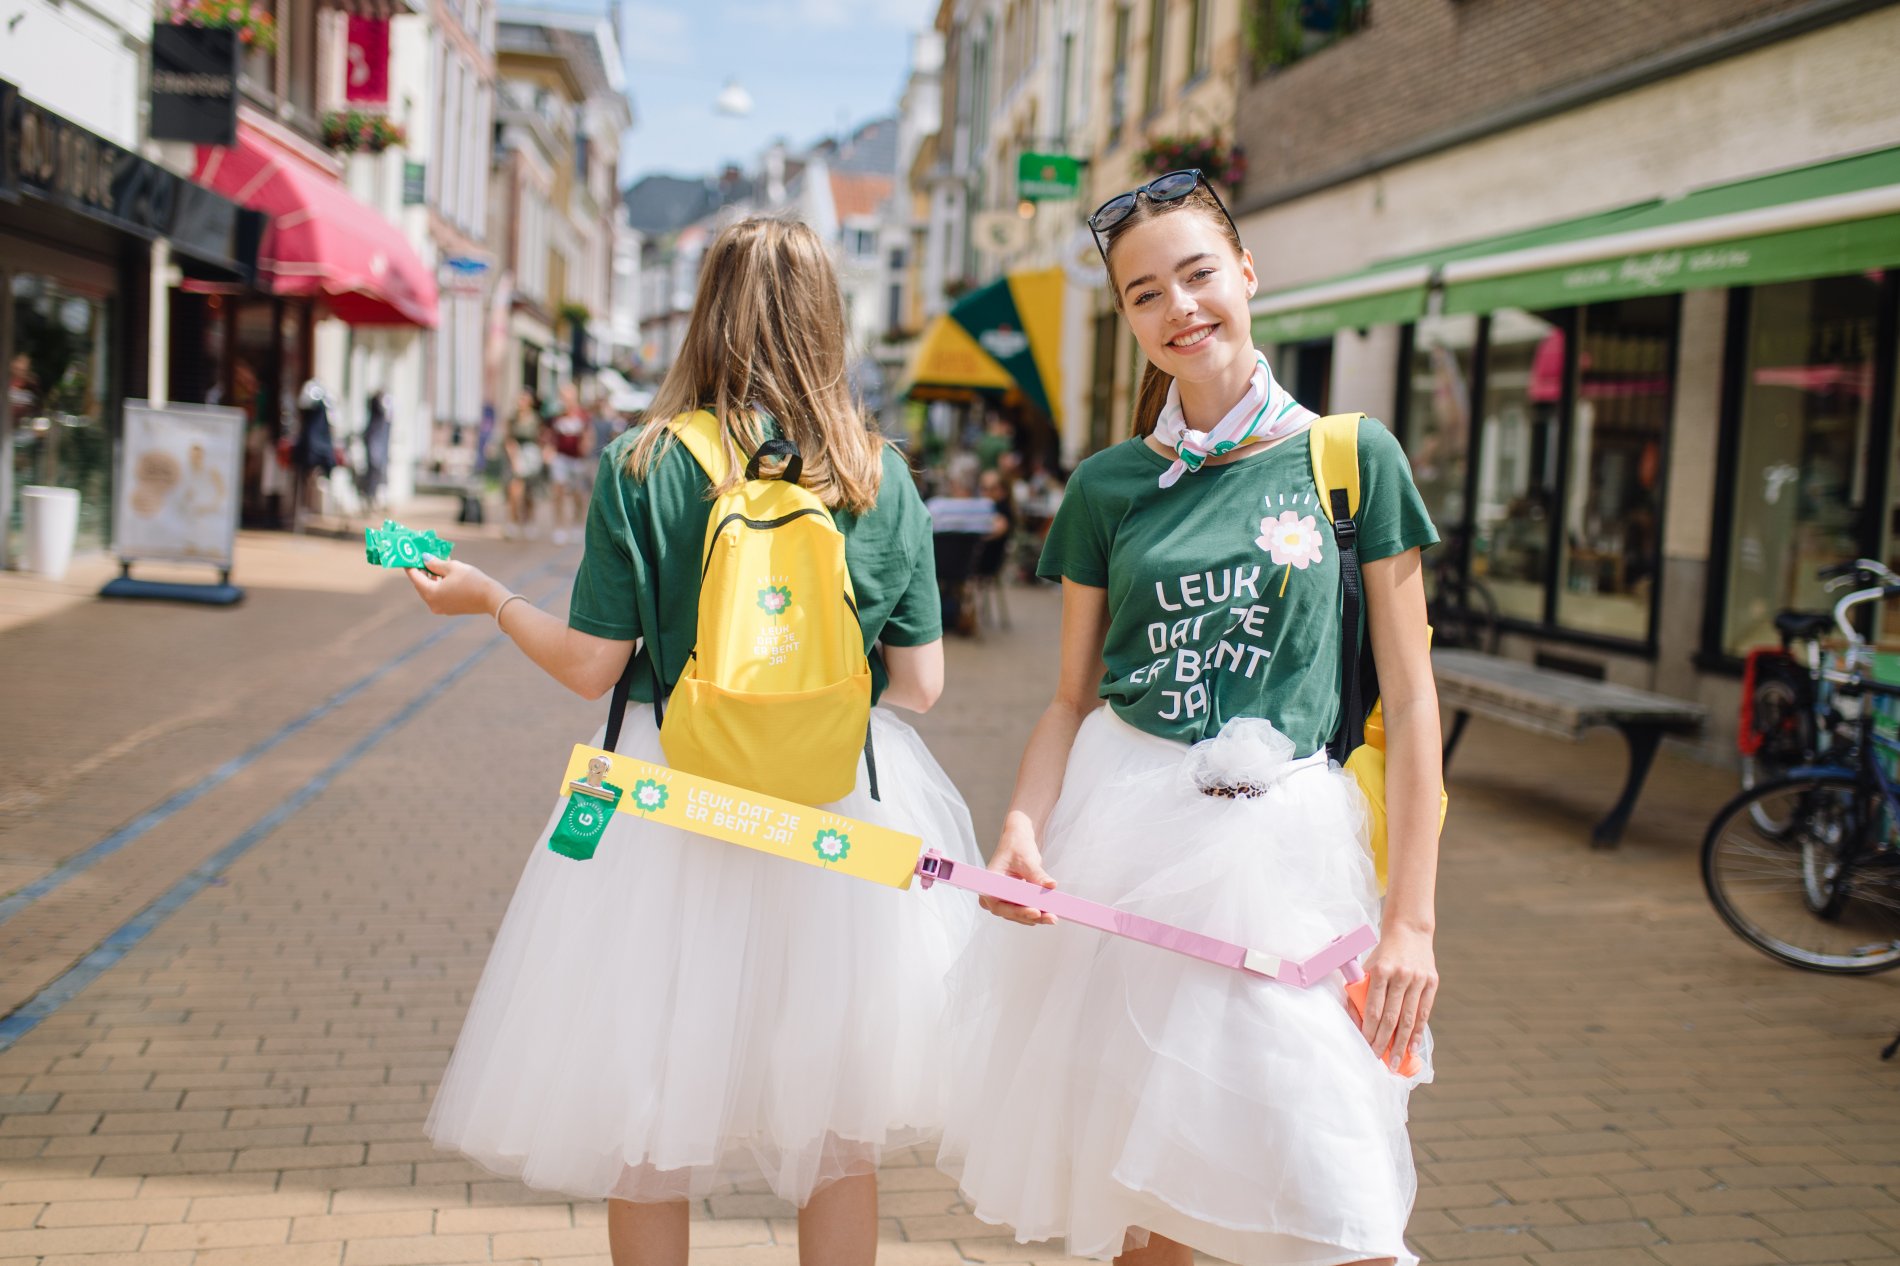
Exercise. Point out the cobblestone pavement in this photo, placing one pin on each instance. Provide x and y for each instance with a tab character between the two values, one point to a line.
241	1013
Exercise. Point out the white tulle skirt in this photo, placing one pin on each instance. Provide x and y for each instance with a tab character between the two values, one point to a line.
1106	1089
678	1014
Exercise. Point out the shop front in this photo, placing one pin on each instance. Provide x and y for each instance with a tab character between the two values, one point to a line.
83	223
323	255
1643	432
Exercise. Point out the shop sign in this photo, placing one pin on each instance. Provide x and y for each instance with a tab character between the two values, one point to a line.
1044	177
366	73
194	84
61	163
414	183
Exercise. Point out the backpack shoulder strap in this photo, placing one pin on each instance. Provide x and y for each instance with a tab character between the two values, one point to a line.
705	438
1335	446
1335	450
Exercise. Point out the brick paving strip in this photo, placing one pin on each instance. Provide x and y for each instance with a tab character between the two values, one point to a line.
1622	1081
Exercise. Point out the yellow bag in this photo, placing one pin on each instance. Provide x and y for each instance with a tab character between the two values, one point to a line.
1360	742
776	697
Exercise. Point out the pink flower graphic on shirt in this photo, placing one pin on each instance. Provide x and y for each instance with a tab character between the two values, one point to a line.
1291	540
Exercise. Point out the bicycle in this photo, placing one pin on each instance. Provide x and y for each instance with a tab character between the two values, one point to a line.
1788	719
1806	867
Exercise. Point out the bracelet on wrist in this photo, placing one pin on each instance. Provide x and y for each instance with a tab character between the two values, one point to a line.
504	606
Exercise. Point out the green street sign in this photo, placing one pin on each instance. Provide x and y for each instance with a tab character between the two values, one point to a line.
1045	177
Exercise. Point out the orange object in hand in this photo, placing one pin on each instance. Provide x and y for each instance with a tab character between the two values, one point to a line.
1411	1065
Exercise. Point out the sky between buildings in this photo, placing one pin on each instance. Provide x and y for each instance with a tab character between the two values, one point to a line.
812	67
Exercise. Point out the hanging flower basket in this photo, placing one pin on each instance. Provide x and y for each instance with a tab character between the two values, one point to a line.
1221	163
255	28
352	130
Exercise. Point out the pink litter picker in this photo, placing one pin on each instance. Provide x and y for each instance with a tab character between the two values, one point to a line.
1339	955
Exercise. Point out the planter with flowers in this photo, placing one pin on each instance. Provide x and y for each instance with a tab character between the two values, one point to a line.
352	130
255	28
1220	162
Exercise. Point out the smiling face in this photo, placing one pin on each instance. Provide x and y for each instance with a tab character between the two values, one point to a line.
1184	288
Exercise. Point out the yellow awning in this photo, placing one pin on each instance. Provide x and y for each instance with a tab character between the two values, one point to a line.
948	357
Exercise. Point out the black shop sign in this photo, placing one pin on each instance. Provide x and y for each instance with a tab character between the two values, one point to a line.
194	84
53	160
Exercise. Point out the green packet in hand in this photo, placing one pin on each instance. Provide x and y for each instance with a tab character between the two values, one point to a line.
393	545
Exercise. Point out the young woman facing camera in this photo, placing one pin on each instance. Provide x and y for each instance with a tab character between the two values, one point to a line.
1139	1103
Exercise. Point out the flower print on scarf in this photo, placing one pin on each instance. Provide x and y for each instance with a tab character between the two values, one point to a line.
1291	540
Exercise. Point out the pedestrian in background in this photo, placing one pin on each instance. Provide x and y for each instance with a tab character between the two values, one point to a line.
961	522
570	436
678	1015
1136	1102
523	456
373	474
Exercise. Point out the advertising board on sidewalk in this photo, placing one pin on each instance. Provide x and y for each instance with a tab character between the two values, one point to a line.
180	474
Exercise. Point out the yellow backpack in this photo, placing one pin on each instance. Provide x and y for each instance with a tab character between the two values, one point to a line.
1359	744
776	696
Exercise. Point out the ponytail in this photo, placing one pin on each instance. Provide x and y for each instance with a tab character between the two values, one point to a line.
1149	397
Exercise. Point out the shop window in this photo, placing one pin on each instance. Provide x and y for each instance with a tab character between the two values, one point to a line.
1306	371
257	69
1281	32
298	36
1200	38
1612	537
1518	459
1437	414
1157	33
1800	495
1118	82
58	386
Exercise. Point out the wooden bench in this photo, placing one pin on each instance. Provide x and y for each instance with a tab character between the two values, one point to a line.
1562	705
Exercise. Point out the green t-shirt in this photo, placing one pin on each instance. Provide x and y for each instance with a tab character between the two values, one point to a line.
639	575
1223	591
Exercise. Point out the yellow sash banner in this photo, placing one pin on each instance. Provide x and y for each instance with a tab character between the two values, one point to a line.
795	832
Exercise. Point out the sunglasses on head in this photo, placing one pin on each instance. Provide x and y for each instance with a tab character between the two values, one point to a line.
1172	187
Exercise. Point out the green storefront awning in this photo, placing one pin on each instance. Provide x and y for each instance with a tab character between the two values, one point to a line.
1836	217
1378	296
1841	216
1393	291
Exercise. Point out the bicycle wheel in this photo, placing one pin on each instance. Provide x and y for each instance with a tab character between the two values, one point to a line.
1810	894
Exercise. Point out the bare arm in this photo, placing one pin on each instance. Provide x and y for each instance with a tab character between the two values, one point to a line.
1039	778
1403	968
916	676
585	664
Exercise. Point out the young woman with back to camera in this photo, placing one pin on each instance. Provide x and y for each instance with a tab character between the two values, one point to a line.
1137	1103
677	1014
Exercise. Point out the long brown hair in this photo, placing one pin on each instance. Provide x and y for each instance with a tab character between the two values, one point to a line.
767	335
1153	391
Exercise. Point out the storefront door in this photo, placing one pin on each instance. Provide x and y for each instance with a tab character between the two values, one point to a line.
59	391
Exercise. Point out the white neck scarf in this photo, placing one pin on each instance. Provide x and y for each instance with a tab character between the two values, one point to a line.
1265	413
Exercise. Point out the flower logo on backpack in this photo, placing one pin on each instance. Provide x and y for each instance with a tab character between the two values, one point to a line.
775	600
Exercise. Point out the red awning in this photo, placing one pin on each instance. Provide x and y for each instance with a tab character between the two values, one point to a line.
320	241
